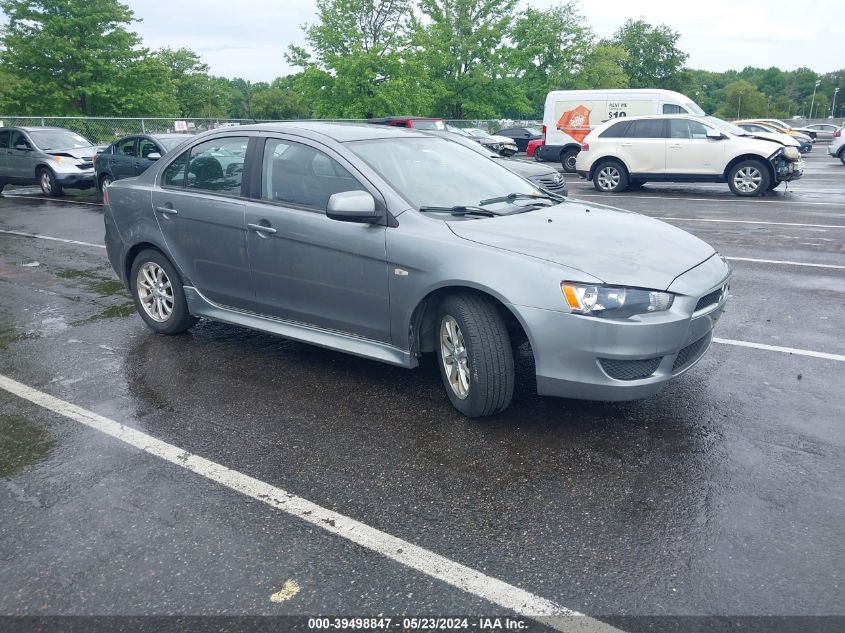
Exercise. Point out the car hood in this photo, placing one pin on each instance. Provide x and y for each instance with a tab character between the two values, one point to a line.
503	139
777	137
618	247
526	169
75	152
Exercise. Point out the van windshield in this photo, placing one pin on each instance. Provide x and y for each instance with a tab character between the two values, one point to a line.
694	108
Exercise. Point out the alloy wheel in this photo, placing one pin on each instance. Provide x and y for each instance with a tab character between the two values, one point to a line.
748	179
155	292
46	182
609	178
454	356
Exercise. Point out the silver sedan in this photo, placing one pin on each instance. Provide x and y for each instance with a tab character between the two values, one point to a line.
390	244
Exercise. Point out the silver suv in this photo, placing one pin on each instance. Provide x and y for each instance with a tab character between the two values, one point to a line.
389	243
51	157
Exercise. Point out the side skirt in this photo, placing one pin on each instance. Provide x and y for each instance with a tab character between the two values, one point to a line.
199	305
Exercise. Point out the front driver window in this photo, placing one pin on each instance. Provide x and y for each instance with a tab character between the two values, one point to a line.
685	128
301	175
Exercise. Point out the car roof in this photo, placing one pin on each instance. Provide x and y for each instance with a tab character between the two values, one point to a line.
388	119
37	128
320	130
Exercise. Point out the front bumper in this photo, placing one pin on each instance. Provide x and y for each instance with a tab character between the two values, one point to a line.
601	359
788	171
79	179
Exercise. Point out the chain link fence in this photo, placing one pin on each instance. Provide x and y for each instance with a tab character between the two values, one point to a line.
105	130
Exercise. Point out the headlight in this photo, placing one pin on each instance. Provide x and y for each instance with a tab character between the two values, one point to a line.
614	302
791	153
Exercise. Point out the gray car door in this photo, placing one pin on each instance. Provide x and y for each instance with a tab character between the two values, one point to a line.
4	149
200	210
19	162
307	267
124	158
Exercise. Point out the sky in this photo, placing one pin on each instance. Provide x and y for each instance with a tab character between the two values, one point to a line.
249	41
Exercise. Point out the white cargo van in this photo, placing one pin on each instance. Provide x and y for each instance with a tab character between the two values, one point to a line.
569	115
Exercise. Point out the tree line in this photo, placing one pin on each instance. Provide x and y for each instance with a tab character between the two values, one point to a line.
475	59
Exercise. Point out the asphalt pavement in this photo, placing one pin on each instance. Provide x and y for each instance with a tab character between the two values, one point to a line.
721	496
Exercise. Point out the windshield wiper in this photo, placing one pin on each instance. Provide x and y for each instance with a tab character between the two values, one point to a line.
522	196
460	210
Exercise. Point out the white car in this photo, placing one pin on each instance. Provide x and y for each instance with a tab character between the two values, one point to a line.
823	131
685	148
837	145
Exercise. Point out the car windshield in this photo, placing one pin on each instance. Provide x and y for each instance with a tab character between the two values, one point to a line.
456	130
433	172
169	143
58	139
694	108
725	126
429	125
476	132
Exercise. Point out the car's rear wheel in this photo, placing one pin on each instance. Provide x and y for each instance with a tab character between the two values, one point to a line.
842	155
475	355
568	159
104	182
48	183
610	176
158	294
749	178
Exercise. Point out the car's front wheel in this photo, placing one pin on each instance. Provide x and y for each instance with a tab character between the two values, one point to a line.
158	294
568	159
475	355
48	183
610	176
749	178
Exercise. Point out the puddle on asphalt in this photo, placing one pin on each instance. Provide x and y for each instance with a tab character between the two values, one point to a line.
113	312
22	443
93	281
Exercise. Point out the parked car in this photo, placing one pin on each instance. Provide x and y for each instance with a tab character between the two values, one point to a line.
805	130
416	122
837	145
823	131
499	144
521	136
51	157
805	142
546	178
131	156
533	150
391	244
685	148
569	115
759	130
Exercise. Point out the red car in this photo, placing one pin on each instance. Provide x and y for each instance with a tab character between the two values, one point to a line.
533	146
416	122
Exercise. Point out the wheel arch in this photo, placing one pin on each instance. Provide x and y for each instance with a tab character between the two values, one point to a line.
604	159
133	251
756	157
422	327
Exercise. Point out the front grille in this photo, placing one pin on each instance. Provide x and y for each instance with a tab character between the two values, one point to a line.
630	369
85	165
691	353
548	182
709	299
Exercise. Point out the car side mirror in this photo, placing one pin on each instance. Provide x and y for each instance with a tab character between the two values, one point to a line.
715	135
153	156
22	147
352	206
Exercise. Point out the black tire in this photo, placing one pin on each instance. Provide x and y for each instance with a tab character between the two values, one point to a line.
104	181
48	183
842	155
567	159
610	176
772	185
486	355
178	319
749	178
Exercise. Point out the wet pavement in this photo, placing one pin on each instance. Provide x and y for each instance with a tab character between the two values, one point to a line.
723	495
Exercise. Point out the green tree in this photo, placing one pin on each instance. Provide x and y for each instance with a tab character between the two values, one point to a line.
742	100
603	68
72	56
279	102
654	58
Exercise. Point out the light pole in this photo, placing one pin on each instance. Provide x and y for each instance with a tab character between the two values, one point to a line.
739	105
833	107
813	102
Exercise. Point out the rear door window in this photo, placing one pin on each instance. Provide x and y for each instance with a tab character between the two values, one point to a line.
217	165
617	130
647	128
300	175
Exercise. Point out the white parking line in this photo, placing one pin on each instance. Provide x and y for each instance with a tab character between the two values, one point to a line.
12	195
718	200
417	558
813	226
784	350
777	261
47	237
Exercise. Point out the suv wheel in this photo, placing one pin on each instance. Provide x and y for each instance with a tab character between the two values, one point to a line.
475	355
105	182
842	155
749	178
610	176
47	182
568	159
158	295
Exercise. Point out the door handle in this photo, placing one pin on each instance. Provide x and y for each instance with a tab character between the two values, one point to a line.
167	210
262	228
675	146
625	144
